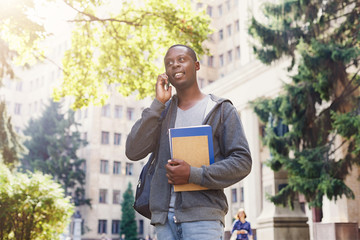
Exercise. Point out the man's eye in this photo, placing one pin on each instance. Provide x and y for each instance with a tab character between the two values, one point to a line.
181	59
169	63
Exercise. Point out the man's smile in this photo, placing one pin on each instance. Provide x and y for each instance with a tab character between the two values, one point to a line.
178	75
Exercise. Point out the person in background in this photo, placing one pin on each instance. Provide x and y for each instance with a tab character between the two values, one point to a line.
241	226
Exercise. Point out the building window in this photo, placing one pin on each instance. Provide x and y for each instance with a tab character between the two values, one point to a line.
83	166
211	61
85	136
238	52
129	169
229	53
86	113
130	114
41	104
221	34
117	138
115	227
105	110
221	59
103	196
199	5
78	114
52	78
42	81
209	10
228	27
102	226
104	137
233	195
19	86
17	129
116	197
118	111
30	108
104	166
228	5
220	10
141	226
17	109
241	194
237	26
117	168
211	37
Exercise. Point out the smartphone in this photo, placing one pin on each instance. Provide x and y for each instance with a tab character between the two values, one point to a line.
167	85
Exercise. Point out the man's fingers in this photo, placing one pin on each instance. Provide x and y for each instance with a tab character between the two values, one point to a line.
162	79
169	179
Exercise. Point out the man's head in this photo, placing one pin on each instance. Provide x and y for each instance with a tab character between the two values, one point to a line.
181	65
191	51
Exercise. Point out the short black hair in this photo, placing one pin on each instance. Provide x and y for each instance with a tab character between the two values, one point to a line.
191	51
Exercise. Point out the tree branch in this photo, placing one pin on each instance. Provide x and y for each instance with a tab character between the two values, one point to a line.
105	20
337	148
93	18
347	91
343	15
351	64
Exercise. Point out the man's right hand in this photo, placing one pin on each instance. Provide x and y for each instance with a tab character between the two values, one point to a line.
163	94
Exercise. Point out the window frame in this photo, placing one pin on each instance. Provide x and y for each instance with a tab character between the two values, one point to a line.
103	195
104	166
117	168
102	226
105	137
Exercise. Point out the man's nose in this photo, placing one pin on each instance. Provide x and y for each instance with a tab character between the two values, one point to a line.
176	64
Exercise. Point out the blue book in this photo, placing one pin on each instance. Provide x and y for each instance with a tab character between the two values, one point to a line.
194	145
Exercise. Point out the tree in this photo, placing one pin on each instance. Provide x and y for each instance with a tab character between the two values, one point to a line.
53	145
128	222
10	147
32	206
321	104
124	47
20	35
19	38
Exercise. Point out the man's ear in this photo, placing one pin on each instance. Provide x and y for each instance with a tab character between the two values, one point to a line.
197	65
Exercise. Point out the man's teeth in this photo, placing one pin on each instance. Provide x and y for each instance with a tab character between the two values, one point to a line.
178	74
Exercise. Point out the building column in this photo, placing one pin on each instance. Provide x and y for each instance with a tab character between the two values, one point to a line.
252	183
276	222
77	226
341	217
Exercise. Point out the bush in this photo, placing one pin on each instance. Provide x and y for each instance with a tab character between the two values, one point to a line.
32	206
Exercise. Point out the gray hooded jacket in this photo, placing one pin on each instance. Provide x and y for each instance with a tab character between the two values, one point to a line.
232	161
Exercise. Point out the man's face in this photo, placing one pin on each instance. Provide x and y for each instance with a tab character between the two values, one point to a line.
180	67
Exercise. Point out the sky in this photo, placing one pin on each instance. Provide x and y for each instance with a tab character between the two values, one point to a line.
54	15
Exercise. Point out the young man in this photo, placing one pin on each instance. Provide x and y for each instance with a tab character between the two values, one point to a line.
194	214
